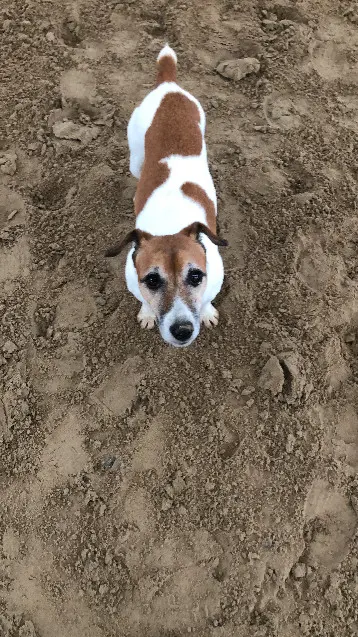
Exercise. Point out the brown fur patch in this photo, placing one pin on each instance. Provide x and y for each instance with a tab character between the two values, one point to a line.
174	131
153	175
199	195
167	70
171	254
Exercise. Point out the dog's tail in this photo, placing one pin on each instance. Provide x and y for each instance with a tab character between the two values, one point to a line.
166	65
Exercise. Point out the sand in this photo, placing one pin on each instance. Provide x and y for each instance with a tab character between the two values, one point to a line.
145	491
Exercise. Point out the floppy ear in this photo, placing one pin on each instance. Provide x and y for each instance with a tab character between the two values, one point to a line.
135	236
196	228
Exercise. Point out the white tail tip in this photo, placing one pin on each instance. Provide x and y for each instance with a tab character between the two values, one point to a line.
167	51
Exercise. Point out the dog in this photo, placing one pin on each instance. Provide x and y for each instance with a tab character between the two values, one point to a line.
173	267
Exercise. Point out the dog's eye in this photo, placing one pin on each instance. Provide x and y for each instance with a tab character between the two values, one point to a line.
153	281
195	277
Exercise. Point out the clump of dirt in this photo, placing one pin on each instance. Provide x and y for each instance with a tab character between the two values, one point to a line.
149	491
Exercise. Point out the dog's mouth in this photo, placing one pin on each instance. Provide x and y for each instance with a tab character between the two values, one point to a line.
178	345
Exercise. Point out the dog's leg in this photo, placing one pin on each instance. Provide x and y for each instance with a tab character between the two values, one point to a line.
145	317
215	277
136	144
209	315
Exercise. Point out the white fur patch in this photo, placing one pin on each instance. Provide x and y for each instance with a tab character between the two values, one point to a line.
132	277
178	313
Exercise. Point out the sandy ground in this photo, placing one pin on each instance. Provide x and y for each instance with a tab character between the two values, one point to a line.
145	491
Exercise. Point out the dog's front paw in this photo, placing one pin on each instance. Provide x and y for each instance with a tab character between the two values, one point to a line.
209	316
146	318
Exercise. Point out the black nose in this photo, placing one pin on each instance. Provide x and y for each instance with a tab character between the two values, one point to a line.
182	331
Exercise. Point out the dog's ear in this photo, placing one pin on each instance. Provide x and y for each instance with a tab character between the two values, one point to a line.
195	229
135	236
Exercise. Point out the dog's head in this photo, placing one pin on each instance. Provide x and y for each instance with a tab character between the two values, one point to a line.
172	278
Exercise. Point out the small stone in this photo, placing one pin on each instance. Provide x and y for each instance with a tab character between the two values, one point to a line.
209	486
9	158
169	491
178	484
27	630
272	377
71	194
260	129
34	146
107	462
287	23
238	69
354	503
350	337
247	391
55	246
292	363
265	347
291	440
77	132
127	193
299	571
9	348
25	409
116	466
108	558
50	36
166	504
12	214
236	385
8	168
270	24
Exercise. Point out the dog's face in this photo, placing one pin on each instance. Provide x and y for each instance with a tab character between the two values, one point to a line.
172	279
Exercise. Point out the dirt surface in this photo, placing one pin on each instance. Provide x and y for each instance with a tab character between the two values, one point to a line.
145	491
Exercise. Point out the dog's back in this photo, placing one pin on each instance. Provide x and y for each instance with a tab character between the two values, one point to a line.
167	148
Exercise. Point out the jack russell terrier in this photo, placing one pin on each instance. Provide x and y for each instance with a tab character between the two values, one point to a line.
173	267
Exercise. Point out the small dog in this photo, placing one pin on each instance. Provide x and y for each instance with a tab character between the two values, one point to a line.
173	267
